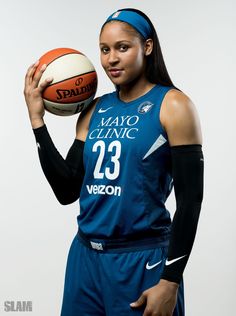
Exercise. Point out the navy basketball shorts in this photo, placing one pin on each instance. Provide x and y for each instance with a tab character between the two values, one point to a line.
102	282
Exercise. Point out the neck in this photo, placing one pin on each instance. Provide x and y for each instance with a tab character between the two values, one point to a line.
135	89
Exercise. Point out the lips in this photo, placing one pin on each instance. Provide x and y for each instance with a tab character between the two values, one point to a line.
115	72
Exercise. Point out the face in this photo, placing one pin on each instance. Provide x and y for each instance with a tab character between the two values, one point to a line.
122	53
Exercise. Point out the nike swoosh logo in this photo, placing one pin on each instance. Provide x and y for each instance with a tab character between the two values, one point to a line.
148	267
104	110
168	262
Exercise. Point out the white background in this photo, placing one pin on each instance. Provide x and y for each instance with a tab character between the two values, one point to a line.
198	44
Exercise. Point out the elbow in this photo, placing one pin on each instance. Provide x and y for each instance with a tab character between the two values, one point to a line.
64	202
67	194
66	198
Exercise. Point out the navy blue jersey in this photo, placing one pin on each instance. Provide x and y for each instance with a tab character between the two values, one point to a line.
127	169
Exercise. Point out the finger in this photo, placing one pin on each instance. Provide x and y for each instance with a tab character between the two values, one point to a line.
139	302
30	72
37	76
149	312
29	76
45	83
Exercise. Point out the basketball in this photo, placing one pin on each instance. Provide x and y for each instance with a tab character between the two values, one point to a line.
74	82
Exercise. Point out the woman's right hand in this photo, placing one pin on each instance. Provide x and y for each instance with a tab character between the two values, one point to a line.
33	94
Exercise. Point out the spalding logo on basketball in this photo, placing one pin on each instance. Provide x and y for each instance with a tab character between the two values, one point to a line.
74	82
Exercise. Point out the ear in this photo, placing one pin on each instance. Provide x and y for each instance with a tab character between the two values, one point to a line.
148	47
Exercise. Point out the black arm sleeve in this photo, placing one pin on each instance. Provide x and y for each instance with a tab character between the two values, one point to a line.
65	176
187	171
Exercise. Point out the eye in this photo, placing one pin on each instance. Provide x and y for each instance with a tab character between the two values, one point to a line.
123	48
104	50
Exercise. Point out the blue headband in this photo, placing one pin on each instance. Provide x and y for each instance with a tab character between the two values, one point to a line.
138	22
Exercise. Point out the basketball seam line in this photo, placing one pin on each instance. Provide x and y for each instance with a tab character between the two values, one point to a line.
74	53
85	73
67	103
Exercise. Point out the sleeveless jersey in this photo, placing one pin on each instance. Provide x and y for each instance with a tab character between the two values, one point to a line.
127	165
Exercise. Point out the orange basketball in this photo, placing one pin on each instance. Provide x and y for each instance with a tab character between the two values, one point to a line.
74	82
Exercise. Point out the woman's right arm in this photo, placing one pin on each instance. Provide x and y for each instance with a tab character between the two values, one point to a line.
65	176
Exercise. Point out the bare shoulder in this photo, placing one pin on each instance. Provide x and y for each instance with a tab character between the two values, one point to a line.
180	119
82	124
176	104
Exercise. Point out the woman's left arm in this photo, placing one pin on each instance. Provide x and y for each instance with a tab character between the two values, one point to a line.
182	125
180	120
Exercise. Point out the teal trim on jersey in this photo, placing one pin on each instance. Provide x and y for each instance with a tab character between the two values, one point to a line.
127	169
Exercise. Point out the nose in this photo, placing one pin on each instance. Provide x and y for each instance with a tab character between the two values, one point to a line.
113	57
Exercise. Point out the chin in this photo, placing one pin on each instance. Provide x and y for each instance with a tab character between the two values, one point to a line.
120	81
117	81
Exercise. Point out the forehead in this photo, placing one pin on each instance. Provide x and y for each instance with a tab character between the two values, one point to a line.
116	31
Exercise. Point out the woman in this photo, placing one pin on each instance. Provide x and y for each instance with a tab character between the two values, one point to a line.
131	147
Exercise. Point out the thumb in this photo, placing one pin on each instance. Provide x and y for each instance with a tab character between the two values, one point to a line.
45	83
139	302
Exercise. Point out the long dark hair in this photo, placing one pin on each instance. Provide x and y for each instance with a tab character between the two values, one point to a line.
156	71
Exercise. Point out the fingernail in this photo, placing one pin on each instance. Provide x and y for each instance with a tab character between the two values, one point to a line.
132	304
49	79
44	67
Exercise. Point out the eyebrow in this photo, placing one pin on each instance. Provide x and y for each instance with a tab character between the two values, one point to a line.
118	42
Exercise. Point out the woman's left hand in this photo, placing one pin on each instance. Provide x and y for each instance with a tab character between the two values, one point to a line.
160	299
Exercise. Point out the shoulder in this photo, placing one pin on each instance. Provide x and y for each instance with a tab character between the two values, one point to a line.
177	103
82	125
180	119
83	120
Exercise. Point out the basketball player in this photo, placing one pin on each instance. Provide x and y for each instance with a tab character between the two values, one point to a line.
131	147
